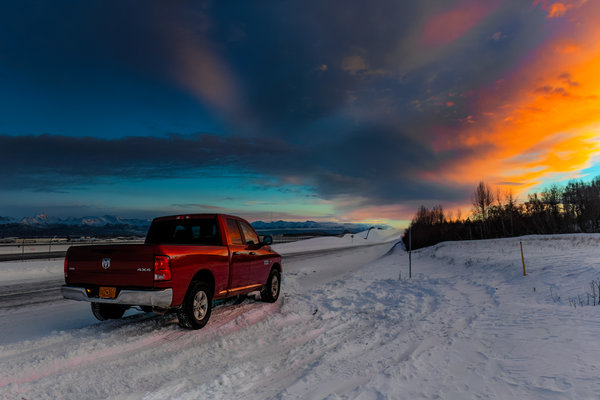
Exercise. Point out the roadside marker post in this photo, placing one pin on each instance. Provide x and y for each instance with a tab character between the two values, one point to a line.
409	253
523	259
409	256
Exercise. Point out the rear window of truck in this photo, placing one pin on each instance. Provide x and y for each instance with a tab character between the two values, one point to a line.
184	231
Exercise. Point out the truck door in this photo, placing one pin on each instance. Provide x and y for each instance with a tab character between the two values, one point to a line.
260	265
240	273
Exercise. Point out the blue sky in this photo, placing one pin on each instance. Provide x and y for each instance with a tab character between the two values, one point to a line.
290	110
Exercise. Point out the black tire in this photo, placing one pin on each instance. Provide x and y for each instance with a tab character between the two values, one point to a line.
272	288
197	306
103	311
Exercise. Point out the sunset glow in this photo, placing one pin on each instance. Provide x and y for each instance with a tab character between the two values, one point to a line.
539	123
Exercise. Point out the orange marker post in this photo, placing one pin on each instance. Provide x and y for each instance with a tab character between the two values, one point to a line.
523	259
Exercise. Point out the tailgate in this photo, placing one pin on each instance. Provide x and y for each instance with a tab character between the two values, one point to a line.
130	265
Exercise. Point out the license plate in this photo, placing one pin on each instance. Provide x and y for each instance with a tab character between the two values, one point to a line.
107	292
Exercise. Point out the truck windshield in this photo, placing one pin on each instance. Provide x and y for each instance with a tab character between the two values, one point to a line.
184	231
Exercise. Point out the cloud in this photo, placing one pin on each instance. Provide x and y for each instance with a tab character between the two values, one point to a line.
354	64
566	77
558	9
498	36
449	25
197	65
75	160
378	163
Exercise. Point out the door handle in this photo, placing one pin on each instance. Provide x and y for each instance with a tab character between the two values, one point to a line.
236	253
252	253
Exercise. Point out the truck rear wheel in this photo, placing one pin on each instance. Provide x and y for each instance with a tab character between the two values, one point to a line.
103	311
270	293
197	306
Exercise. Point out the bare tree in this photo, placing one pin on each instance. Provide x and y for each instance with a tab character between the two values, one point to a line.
482	199
511	209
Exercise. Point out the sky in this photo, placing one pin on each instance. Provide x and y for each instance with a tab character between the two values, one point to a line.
341	111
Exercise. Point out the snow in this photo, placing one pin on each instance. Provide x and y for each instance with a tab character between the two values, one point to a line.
468	324
13	272
334	242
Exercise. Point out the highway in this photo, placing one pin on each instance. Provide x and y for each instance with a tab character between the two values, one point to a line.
35	292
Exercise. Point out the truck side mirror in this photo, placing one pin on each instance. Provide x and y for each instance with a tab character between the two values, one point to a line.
267	240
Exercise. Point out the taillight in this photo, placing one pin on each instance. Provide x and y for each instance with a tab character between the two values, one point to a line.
66	266
162	268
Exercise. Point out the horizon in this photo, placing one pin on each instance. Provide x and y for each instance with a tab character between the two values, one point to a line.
293	112
20	219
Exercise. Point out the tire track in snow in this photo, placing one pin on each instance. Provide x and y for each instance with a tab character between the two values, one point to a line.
19	295
223	321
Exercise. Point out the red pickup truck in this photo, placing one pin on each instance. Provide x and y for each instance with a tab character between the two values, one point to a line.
186	262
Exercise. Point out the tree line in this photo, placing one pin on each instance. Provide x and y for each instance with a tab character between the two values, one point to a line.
573	208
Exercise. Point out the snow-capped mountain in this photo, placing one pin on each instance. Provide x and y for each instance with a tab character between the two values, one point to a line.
44	219
44	225
310	226
40	219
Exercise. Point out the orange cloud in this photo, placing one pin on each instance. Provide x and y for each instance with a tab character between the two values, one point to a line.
448	26
542	122
558	8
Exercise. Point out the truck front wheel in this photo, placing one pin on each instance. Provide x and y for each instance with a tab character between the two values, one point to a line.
103	311
270	293
196	308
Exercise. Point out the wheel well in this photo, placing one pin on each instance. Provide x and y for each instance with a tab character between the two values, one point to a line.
205	276
277	267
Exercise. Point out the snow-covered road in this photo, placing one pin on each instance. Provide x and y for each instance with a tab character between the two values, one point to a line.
467	325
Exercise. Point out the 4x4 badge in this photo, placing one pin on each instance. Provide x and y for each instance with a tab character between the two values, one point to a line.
106	263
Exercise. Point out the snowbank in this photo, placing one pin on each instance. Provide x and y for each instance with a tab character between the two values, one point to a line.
12	272
365	238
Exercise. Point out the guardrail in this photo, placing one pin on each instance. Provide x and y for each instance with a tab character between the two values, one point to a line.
277	239
36	249
28	249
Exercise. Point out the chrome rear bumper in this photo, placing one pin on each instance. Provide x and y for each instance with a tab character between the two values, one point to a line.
157	298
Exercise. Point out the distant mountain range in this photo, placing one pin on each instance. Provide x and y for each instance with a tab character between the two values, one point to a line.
313	227
43	225
43	219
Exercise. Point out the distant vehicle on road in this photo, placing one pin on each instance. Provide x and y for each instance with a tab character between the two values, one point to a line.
186	262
